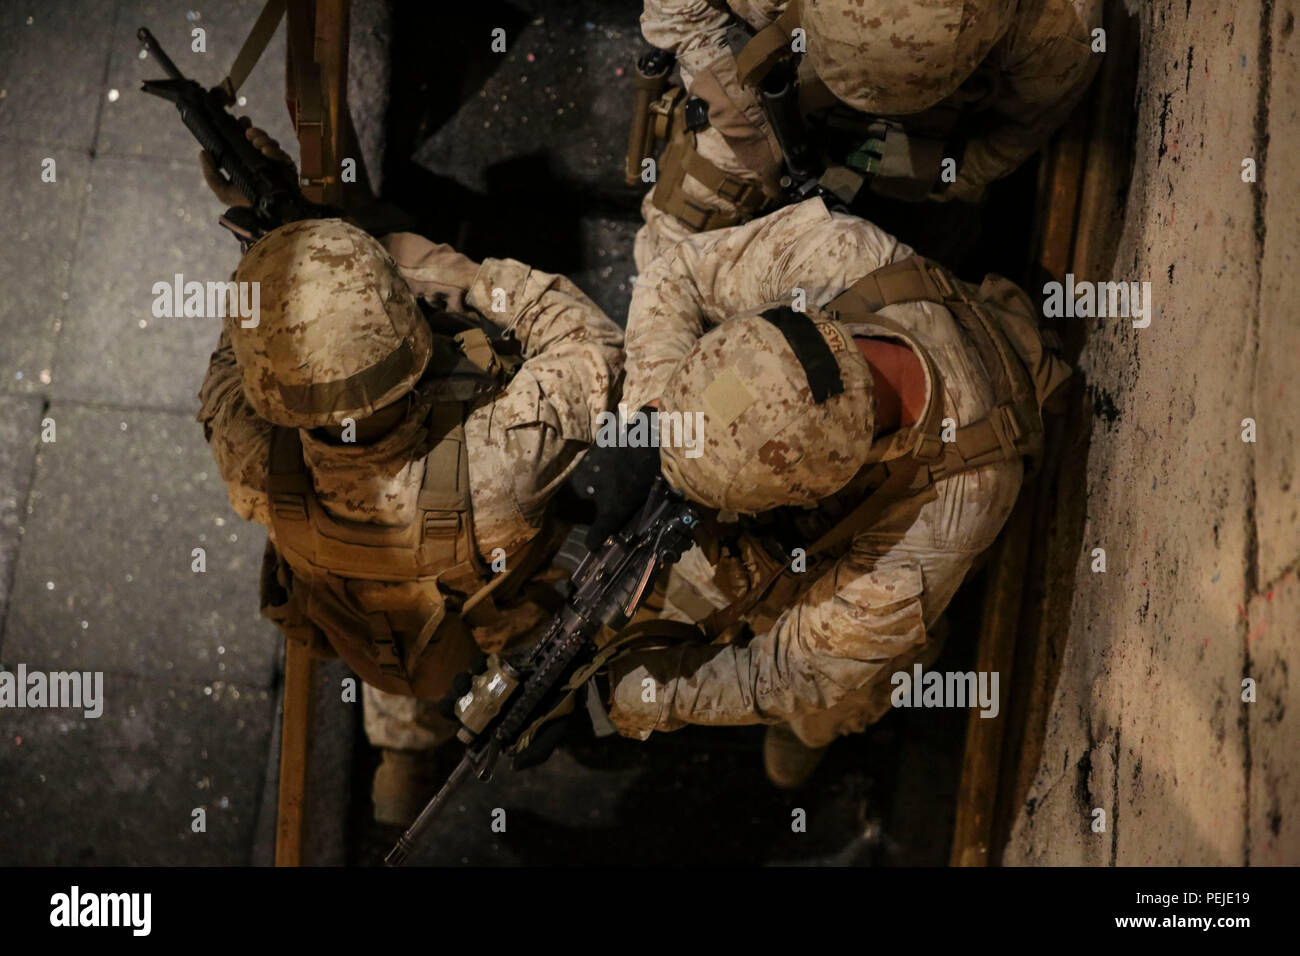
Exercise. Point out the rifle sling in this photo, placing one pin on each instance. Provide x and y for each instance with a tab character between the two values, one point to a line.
642	636
901	474
768	45
253	48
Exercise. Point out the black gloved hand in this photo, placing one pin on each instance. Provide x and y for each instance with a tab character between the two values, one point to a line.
621	485
544	743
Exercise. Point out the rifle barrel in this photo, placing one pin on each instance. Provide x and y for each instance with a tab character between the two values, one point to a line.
163	59
397	855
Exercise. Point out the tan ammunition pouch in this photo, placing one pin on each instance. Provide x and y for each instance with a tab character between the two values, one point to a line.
659	117
284	605
998	318
682	158
396	603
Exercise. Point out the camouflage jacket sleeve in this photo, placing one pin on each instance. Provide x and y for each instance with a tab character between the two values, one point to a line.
694	30
546	313
436	272
239	437
527	442
856	619
1048	64
710	277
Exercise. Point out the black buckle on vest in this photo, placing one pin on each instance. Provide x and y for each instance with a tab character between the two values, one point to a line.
696	114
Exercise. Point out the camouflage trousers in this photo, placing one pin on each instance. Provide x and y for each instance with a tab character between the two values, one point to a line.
398	722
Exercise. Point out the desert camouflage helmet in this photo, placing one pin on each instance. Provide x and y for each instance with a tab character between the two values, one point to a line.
787	408
339	334
900	56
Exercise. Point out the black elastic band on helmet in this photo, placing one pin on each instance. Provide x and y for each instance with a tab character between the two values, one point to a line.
812	351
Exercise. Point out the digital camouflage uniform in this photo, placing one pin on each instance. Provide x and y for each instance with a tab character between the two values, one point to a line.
521	444
822	662
1012	70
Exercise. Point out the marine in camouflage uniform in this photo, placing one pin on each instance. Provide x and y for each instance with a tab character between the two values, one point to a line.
985	83
777	459
445	483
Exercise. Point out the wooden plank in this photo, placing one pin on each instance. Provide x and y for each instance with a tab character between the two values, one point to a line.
977	790
305	93
979	787
1059	516
1109	162
332	56
1059	196
1044	613
1080	192
295	728
317	80
991	742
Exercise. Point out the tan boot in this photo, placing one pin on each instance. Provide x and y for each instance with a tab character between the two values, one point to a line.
789	762
404	783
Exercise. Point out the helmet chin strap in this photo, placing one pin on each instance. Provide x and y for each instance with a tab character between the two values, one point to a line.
374	426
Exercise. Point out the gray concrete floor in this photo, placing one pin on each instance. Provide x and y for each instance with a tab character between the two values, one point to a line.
97	526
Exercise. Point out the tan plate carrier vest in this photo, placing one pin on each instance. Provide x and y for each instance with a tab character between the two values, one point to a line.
396	603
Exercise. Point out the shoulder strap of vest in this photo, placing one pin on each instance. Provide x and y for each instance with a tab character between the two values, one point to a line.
1013	428
918	279
767	46
287	483
923	440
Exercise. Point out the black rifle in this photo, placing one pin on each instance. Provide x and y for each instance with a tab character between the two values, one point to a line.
269	185
505	699
779	95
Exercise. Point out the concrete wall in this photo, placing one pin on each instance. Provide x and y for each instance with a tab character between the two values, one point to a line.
1199	527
